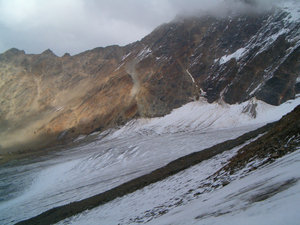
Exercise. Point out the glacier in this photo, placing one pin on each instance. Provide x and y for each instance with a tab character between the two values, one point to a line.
236	203
32	186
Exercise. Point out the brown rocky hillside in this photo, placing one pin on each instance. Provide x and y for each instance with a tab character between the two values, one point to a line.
46	99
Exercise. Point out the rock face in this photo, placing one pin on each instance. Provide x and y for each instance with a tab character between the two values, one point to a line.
46	100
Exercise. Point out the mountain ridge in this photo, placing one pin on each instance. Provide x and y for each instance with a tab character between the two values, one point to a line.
48	99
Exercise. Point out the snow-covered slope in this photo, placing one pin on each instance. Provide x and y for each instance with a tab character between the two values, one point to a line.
63	177
269	195
292	8
39	184
200	115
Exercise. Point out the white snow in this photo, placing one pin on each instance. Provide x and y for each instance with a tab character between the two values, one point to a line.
200	115
137	148
255	89
144	53
274	37
233	203
59	108
271	39
190	76
125	56
161	59
161	193
292	7
78	173
80	137
237	203
120	65
122	61
237	55
143	145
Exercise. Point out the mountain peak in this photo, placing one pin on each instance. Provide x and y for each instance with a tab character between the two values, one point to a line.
48	52
66	55
14	51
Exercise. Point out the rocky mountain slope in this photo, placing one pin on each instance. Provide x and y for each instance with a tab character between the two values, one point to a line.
46	99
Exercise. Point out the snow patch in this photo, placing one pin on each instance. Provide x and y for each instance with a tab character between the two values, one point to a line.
292	7
271	39
80	137
144	53
121	64
237	55
125	56
274	37
203	116
255	89
59	108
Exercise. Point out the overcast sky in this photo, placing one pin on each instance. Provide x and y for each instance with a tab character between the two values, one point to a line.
77	25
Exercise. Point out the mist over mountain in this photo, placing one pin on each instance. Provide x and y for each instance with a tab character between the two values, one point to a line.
78	25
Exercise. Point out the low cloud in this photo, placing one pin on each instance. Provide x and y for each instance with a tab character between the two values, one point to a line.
77	25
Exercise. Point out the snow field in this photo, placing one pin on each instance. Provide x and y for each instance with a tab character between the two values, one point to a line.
268	195
139	147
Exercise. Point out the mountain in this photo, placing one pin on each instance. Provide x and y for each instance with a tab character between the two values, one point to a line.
48	100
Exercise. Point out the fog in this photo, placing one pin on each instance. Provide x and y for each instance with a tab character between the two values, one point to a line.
77	25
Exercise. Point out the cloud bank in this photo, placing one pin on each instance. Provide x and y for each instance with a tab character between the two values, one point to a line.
77	25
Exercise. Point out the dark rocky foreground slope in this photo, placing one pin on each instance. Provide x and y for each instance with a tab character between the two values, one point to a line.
46	99
277	139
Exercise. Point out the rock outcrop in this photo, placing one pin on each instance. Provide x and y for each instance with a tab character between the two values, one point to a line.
46	100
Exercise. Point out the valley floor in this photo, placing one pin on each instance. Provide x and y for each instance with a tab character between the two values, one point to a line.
29	187
269	195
